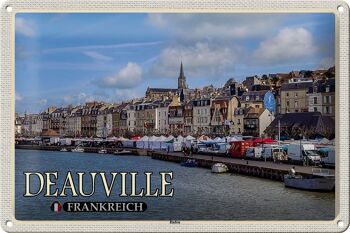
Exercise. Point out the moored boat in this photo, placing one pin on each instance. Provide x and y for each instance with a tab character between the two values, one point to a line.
78	149
63	150
123	152
102	151
321	180
189	163
219	168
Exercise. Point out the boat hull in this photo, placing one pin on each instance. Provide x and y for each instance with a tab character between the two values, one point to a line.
312	184
123	153
219	168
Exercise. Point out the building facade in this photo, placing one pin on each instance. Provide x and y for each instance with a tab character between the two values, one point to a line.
293	97
202	116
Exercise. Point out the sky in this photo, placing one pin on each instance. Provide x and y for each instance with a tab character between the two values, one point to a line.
71	58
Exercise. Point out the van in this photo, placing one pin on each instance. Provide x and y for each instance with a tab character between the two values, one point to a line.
305	154
272	152
254	152
328	157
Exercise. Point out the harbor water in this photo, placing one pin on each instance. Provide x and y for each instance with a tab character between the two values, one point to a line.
198	193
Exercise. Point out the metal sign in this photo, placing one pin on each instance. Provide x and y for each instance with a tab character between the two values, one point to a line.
269	101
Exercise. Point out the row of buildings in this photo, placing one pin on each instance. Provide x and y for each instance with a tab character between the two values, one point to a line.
235	108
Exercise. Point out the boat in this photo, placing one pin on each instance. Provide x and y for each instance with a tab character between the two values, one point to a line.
320	180
78	149
189	163
219	168
123	152
102	151
63	150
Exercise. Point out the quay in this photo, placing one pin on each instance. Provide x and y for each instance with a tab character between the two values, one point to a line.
262	169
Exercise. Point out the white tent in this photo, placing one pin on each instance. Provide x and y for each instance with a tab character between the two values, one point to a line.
180	139
162	141
142	143
325	141
153	138
154	143
170	137
205	138
121	139
218	139
190	138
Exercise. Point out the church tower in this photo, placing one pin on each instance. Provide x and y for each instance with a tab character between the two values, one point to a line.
181	79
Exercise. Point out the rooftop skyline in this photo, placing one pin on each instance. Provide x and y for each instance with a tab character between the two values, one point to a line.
72	58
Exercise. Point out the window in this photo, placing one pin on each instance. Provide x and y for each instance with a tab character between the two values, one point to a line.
239	130
239	121
257	97
198	111
296	104
257	106
327	99
315	100
287	103
327	110
287	94
327	89
247	98
315	109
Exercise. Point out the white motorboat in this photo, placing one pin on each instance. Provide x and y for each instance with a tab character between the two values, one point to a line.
78	149
102	151
123	152
63	150
321	180
219	168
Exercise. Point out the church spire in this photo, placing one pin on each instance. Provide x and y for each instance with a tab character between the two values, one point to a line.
181	71
182	78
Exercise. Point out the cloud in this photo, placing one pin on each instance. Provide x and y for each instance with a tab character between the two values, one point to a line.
215	26
18	97
127	77
128	94
97	56
326	63
289	45
25	27
201	59
95	47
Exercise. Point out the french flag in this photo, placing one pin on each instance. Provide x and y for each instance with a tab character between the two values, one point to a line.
56	207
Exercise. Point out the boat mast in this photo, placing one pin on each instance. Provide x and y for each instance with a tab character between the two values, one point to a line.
279	132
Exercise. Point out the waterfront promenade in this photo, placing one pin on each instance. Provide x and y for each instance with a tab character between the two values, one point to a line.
262	169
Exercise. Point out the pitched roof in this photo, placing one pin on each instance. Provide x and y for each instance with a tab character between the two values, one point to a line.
296	86
304	122
162	90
